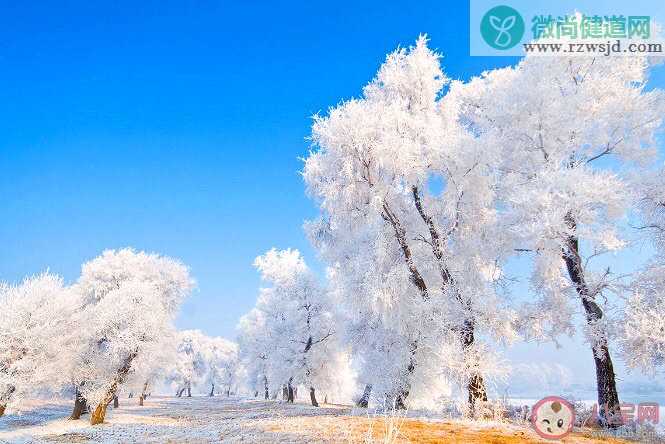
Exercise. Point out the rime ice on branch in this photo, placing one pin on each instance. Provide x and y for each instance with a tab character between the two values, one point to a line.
417	268
568	129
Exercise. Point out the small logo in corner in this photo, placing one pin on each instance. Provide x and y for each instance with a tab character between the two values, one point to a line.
502	27
553	417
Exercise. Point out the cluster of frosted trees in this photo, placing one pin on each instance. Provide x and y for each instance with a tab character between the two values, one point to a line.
428	188
210	362
111	330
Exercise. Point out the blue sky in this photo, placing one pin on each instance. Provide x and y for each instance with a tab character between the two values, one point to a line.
177	128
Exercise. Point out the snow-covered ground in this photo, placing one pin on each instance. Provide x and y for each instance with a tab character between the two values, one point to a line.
221	419
161	419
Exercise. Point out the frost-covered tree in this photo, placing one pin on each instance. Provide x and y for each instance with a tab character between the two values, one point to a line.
420	265
131	299
190	367
35	318
297	321
148	373
649	197
129	325
254	351
222	364
568	128
643	326
203	361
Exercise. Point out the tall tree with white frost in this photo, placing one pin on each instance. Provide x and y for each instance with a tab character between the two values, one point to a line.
35	316
557	120
298	321
421	264
131	300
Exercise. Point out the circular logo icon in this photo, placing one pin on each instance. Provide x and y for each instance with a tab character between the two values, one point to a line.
553	417
502	27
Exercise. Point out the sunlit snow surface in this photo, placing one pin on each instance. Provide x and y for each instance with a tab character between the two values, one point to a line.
161	419
202	419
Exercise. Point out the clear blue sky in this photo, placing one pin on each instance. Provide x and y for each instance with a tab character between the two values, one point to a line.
177	128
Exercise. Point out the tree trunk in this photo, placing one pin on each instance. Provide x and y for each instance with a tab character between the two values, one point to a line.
143	393
289	389
212	391
608	398
98	415
399	400
80	405
4	399
116	403
312	397
476	384
416	279
256	393
477	393
265	387
400	234
364	399
189	391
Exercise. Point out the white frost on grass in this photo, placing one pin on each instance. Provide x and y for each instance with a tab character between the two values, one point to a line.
161	419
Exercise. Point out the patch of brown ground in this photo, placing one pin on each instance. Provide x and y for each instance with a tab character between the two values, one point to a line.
356	429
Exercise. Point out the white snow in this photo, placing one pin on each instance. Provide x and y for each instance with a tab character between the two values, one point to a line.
163	419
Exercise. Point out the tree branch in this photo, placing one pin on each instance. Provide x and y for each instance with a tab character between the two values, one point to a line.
400	233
